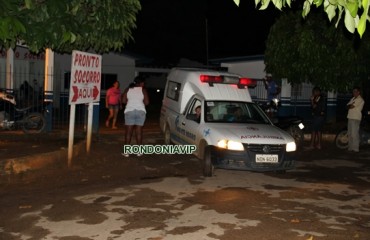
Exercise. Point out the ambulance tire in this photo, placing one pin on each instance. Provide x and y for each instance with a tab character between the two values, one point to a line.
208	168
167	136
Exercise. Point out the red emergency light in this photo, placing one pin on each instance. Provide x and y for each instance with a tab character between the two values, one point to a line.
210	79
247	82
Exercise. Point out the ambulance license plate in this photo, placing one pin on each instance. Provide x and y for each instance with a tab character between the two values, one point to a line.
267	158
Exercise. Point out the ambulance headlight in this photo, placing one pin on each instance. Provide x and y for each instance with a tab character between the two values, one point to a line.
291	147
230	145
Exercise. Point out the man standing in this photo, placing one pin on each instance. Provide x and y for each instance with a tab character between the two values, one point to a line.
354	116
272	91
272	88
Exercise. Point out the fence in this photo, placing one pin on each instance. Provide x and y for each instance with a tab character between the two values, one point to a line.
295	100
28	90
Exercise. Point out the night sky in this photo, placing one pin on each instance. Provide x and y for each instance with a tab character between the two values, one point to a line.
168	30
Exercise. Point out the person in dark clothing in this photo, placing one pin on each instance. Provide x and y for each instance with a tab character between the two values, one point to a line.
198	112
26	92
318	113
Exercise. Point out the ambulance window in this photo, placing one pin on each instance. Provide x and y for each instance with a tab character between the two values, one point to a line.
257	114
194	111
234	112
173	90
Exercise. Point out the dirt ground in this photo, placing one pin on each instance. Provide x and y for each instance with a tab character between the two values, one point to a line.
104	167
104	161
16	144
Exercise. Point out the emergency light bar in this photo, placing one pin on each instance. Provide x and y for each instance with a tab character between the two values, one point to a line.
241	82
248	82
210	79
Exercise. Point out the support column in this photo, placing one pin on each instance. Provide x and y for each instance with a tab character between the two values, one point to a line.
331	106
48	87
96	120
96	110
9	85
285	98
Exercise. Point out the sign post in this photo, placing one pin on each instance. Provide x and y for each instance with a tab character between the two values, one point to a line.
84	88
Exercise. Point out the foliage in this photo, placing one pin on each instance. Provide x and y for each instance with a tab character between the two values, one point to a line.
64	25
10	26
356	12
313	50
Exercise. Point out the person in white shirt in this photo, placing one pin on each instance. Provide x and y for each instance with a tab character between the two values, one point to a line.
136	98
354	117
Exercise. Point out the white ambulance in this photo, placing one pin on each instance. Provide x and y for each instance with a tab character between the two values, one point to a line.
231	132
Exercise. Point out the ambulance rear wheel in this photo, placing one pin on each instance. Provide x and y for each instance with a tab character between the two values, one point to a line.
167	136
208	168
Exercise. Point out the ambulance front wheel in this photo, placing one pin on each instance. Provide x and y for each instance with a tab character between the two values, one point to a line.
208	168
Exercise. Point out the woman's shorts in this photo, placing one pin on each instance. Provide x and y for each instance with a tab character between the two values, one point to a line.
135	117
114	107
317	123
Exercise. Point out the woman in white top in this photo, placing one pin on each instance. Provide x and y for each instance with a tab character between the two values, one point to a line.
136	98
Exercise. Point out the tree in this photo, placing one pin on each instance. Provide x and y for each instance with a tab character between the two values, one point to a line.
356	12
67	25
313	50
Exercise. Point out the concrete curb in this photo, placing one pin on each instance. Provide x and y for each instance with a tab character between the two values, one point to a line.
27	163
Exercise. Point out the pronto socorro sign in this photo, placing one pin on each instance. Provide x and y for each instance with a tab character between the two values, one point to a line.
85	77
84	93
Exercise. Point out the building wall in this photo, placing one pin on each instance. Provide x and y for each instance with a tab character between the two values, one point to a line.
294	99
122	66
251	69
2	72
31	68
27	67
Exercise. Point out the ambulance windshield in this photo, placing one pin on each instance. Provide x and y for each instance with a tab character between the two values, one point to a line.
235	112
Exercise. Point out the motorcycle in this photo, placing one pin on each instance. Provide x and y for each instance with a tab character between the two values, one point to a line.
341	139
291	124
30	119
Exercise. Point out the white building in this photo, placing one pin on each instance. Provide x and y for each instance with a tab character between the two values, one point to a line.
294	99
20	65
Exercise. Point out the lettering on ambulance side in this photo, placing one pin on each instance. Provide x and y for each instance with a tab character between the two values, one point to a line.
182	131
